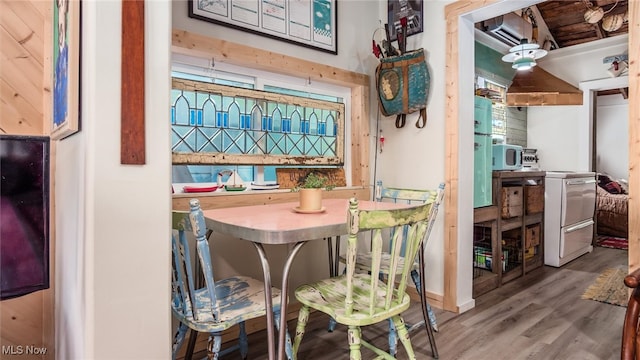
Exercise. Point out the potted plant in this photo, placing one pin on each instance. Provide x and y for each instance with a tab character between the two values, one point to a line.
310	188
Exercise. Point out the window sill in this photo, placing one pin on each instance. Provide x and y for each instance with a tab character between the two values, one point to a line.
225	199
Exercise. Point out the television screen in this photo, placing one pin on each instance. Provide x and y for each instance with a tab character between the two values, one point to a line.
24	215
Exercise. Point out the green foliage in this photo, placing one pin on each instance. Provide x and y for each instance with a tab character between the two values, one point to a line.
313	181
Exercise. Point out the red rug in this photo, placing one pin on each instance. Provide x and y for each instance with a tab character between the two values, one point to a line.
612	242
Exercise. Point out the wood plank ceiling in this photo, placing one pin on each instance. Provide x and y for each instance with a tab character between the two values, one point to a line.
566	21
567	25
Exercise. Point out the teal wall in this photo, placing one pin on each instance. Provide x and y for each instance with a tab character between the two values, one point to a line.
489	65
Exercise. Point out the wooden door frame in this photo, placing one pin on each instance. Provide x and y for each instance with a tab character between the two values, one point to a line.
455	23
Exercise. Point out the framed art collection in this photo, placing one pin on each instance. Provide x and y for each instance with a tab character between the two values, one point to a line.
309	23
66	68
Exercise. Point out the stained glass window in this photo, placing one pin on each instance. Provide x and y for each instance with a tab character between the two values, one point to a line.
216	124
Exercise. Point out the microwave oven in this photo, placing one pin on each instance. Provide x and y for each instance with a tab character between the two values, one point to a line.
507	157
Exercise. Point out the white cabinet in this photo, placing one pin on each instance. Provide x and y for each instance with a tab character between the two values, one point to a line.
570	199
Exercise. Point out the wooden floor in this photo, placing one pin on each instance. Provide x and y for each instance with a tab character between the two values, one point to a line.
540	316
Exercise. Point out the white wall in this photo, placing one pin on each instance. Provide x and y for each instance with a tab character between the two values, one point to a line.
554	132
112	220
612	130
575	65
412	157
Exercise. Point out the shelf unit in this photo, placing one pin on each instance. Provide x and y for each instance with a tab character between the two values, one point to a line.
511	229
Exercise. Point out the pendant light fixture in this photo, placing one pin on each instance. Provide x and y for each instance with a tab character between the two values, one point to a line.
524	55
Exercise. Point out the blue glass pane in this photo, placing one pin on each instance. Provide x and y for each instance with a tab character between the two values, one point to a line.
209	114
192	117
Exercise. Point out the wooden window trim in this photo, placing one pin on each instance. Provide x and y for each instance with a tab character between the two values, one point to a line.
197	45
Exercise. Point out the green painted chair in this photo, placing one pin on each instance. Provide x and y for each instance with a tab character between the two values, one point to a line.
364	259
358	299
220	303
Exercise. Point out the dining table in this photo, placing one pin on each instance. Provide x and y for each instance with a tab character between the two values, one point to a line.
285	224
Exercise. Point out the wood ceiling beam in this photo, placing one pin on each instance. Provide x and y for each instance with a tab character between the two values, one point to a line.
624	92
599	30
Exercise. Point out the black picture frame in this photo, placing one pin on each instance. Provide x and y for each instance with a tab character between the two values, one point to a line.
24	214
296	22
414	11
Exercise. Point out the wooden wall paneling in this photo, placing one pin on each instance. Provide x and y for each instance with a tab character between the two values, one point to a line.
21	88
21	67
21	320
27	69
19	111
634	136
26	28
44	9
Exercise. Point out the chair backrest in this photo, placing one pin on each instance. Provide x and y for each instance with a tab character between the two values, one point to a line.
411	196
183	281
417	222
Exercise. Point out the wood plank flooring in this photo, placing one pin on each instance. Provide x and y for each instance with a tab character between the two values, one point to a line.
540	316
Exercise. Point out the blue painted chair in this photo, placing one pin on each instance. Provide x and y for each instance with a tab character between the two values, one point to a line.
219	304
358	298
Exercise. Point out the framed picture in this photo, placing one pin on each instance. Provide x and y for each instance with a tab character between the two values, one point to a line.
66	68
309	23
24	215
411	9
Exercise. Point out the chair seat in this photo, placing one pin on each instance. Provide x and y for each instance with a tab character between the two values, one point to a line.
240	298
328	296
364	260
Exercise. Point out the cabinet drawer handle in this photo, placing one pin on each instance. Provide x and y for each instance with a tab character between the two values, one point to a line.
580	182
578	227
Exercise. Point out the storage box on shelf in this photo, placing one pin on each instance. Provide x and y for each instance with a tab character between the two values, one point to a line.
511	201
534	195
510	230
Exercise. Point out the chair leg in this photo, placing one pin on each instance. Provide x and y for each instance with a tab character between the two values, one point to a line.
393	338
354	342
425	310
332	325
242	340
403	335
288	349
213	347
178	339
303	317
432	317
